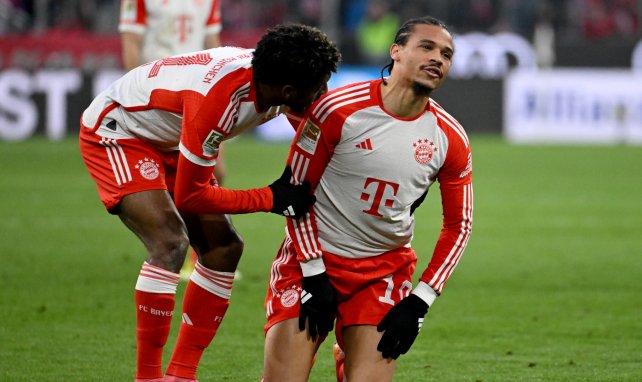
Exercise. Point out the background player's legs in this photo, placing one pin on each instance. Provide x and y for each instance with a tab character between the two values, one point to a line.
152	216
288	354
363	363
208	291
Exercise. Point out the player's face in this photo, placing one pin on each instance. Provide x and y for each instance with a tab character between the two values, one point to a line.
426	58
302	98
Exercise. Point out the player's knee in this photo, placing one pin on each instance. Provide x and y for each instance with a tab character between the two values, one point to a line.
168	250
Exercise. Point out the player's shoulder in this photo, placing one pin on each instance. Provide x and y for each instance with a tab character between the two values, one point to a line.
343	101
448	123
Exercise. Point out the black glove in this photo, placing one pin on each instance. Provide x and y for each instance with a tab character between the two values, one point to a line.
288	199
401	326
318	305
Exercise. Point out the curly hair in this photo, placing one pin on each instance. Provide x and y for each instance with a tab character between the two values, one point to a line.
294	54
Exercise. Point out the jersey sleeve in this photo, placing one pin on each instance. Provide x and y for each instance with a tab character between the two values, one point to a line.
455	182
214	23
310	153
133	16
194	193
207	122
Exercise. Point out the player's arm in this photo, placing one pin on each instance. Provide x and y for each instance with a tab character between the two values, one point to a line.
194	193
199	146
213	26
132	45
310	153
455	183
132	26
212	41
403	322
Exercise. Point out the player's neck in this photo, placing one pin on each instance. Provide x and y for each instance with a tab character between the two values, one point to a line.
402	100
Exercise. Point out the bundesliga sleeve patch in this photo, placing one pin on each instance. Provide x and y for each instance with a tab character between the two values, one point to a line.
309	137
212	142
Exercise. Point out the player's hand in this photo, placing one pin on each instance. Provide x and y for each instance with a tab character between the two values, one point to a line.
288	199
400	326
318	305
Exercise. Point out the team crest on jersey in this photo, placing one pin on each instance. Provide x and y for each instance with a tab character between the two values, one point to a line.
289	297
148	168
424	150
309	137
212	143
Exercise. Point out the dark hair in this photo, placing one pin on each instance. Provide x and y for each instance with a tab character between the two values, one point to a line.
294	54
404	32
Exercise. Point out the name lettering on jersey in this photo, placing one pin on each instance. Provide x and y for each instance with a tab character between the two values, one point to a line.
309	137
469	167
380	189
424	150
212	143
209	76
197	59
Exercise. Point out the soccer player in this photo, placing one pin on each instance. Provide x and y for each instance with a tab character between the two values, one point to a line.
370	150
151	30
150	141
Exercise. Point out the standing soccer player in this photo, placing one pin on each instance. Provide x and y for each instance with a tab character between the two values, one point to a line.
155	29
371	151
150	141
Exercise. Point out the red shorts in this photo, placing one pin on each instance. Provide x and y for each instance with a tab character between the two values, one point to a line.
366	288
125	166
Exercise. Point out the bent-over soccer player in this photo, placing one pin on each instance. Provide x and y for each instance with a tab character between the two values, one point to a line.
151	140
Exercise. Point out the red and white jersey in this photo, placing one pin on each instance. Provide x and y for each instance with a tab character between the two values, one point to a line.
170	26
367	168
190	102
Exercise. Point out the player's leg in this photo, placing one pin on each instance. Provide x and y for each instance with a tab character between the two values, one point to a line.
130	177
151	215
208	291
366	290
288	353
363	363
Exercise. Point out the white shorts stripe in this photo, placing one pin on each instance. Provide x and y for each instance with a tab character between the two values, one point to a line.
118	160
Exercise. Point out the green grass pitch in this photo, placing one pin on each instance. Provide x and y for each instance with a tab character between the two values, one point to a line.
550	287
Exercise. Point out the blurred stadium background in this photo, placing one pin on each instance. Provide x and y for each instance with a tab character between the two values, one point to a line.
550	288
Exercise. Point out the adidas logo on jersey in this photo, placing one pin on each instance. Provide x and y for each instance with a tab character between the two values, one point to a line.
366	145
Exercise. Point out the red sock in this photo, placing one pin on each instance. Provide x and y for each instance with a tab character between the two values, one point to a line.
154	298
204	305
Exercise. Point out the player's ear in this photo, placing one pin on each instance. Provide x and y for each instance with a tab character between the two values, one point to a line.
394	52
288	92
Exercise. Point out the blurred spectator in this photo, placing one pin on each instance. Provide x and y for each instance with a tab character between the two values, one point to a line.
306	12
597	21
544	35
375	32
14	16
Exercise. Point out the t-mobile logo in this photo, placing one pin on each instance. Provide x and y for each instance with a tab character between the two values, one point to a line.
379	191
